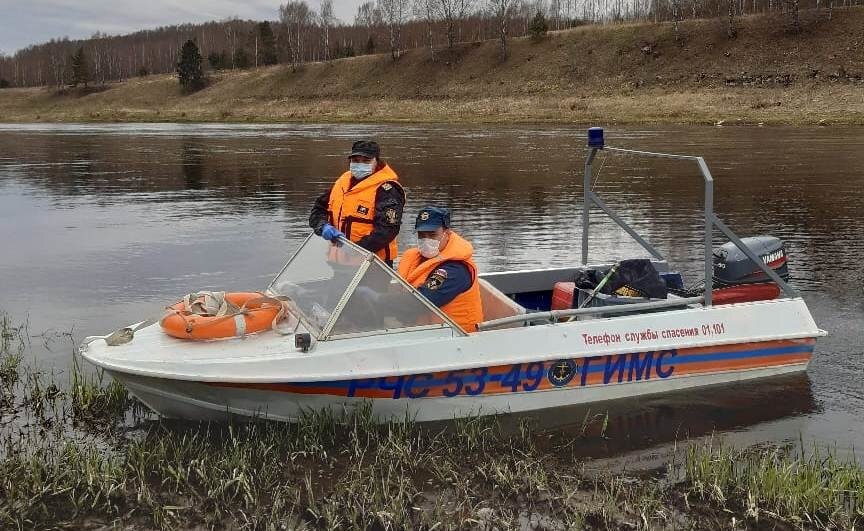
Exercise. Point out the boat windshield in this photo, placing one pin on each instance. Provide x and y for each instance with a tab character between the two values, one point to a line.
381	302
320	276
317	277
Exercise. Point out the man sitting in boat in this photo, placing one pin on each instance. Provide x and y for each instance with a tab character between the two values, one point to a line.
365	203
442	269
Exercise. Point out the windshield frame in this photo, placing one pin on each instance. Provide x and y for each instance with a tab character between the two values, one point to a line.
295	309
324	333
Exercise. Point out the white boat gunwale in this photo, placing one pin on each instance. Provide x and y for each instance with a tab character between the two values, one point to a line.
398	341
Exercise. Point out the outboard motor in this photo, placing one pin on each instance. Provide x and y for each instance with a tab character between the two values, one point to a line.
732	267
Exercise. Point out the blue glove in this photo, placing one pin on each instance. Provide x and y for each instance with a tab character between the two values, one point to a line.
329	232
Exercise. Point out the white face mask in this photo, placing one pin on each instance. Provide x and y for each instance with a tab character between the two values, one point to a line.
361	170
428	247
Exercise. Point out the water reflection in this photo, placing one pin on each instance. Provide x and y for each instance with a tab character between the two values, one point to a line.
193	166
103	225
515	192
655	421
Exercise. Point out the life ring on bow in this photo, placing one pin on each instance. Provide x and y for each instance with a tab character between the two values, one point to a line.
235	315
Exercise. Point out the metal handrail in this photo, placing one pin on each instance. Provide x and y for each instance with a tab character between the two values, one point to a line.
554	315
711	219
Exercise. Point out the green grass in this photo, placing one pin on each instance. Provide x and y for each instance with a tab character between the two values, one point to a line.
318	473
814	489
82	452
92	399
12	344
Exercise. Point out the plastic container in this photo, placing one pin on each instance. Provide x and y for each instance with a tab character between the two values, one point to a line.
562	295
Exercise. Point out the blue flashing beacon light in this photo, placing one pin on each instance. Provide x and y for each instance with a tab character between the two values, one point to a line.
595	137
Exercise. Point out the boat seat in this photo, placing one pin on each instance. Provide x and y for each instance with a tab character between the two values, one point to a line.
496	304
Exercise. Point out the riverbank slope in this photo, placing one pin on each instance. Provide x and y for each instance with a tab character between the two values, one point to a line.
634	73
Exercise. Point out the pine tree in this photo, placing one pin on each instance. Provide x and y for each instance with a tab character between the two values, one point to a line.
370	45
538	27
266	44
189	68
241	58
218	60
343	50
80	68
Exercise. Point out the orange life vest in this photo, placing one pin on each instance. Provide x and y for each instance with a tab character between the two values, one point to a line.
466	309
353	211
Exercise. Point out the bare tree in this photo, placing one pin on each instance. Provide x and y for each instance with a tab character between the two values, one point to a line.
296	17
676	18
325	15
502	10
793	12
231	37
58	67
368	17
555	12
426	11
731	31
453	12
395	12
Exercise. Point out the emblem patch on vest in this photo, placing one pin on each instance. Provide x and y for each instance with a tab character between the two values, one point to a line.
436	279
362	209
390	216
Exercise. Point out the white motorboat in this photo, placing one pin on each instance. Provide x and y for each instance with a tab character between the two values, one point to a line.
355	333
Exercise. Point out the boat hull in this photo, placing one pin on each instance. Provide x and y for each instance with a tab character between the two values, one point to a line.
481	390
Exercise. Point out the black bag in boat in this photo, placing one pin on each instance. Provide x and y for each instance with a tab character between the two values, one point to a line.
633	278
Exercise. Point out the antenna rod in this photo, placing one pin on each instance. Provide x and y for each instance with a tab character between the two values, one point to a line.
595	142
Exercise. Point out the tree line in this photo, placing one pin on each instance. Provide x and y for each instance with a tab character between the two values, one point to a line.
302	34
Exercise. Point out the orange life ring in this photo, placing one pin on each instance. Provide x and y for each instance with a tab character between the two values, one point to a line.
257	313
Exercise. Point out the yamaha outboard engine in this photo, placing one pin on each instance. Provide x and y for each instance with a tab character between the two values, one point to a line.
732	267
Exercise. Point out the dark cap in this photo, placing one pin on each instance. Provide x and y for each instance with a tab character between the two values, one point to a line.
365	148
430	218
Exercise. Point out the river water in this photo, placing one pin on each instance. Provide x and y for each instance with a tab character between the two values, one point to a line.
103	225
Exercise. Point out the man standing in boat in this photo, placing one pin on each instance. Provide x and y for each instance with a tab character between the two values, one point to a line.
442	269
364	204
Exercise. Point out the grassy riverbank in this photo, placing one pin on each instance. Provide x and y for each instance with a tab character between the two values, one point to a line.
634	73
76	452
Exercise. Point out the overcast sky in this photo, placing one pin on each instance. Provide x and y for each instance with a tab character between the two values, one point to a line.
25	22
